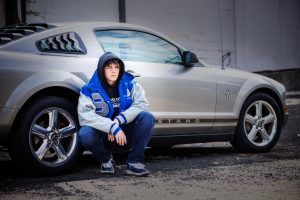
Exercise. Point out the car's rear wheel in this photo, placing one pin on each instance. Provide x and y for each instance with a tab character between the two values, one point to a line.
45	136
259	124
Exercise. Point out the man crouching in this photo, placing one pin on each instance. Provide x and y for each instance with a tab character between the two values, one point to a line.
113	112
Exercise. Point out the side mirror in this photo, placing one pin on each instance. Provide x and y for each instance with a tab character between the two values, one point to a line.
189	58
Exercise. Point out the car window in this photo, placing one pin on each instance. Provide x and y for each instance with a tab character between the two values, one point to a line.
138	46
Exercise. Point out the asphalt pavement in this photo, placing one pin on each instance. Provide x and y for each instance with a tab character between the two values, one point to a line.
197	171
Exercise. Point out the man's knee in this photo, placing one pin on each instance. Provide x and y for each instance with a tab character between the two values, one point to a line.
87	135
146	119
145	124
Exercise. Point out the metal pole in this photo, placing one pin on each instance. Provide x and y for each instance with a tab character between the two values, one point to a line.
122	11
23	11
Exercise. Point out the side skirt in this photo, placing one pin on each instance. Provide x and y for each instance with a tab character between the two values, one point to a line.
170	140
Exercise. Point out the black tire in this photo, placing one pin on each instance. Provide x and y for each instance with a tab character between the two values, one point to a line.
44	138
253	133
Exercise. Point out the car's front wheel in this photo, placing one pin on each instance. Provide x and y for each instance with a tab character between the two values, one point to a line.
259	124
45	136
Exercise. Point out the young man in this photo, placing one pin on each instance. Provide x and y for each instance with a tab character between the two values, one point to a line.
113	111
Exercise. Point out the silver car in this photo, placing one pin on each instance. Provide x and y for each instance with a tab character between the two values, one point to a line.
44	66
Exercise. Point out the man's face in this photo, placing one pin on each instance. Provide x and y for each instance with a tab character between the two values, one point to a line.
111	73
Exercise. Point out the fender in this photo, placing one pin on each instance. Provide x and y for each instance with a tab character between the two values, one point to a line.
34	84
42	80
247	89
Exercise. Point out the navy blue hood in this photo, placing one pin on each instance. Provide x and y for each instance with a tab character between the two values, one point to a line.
103	60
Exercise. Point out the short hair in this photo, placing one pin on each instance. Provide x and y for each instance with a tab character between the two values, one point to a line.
112	61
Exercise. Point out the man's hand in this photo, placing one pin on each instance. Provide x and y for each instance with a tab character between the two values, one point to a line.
111	137
121	138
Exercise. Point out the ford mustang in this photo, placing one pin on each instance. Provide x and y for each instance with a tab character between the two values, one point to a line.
43	67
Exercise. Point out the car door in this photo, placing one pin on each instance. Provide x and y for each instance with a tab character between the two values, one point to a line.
182	98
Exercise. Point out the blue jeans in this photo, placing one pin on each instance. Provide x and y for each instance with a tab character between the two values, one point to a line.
138	133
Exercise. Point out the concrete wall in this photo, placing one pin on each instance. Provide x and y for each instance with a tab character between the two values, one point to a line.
267	34
72	10
195	24
257	34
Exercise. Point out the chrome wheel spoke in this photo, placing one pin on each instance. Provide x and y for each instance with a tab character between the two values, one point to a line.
39	131
250	119
265	135
53	119
252	134
67	131
60	152
258	107
269	119
41	152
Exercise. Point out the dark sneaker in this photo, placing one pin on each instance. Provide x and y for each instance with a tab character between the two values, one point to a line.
137	169
108	167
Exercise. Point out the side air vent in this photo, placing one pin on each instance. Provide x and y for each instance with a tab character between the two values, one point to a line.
13	32
69	43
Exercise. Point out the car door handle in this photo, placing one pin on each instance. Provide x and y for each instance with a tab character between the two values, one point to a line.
133	73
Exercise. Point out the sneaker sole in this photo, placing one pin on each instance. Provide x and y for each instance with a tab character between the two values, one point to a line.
107	172
138	174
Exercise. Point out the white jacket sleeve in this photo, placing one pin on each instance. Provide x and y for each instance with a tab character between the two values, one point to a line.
88	117
140	104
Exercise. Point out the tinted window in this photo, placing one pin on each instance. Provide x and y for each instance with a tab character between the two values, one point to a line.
138	46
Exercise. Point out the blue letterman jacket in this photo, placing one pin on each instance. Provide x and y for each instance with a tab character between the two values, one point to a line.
95	108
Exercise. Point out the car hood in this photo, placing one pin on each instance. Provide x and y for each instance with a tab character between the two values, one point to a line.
245	75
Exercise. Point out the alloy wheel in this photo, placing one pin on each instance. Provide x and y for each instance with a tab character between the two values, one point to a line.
260	123
53	136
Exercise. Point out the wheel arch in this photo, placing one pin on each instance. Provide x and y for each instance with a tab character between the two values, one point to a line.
49	82
57	91
270	92
258	85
